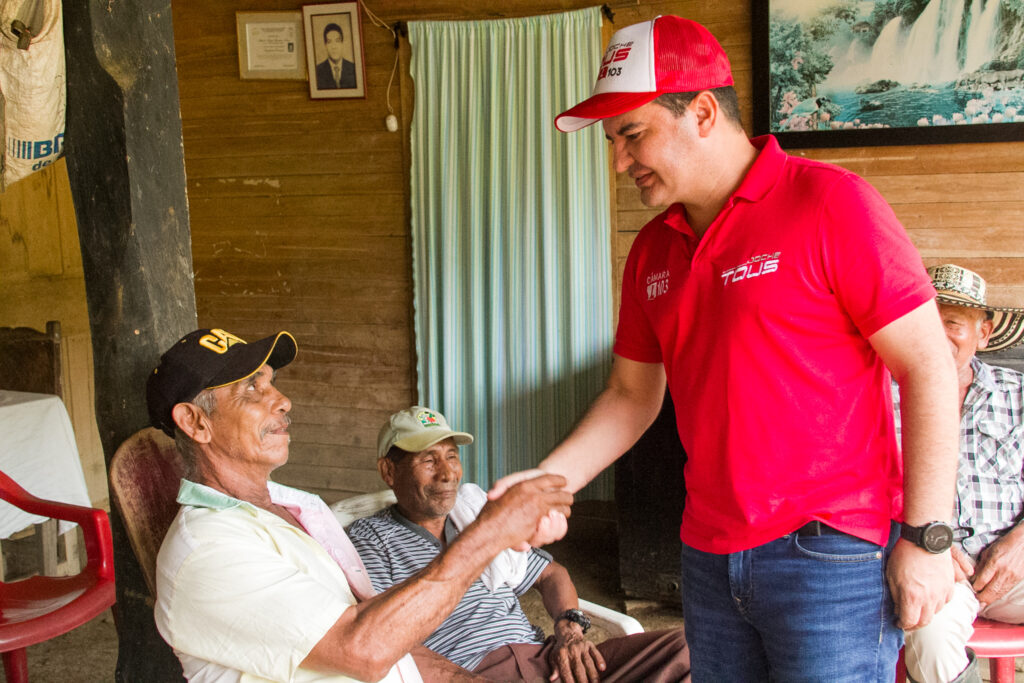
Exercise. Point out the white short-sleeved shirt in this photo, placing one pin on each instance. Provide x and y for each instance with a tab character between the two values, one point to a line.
243	596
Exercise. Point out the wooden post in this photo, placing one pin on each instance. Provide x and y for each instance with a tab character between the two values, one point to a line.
127	172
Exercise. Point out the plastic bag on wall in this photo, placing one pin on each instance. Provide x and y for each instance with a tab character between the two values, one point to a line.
32	82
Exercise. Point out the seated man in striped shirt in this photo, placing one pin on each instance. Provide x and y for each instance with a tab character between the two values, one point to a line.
488	633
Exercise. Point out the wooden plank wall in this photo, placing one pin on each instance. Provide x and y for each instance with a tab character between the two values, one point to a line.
299	212
299	223
41	279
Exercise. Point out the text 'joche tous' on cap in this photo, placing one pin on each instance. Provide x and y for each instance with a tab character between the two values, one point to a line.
416	429
207	359
645	60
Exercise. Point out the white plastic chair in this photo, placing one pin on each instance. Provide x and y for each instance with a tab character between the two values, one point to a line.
612	622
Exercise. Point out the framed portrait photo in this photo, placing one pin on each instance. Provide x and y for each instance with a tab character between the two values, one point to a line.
831	73
334	50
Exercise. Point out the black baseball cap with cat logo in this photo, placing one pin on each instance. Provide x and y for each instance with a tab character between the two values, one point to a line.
207	359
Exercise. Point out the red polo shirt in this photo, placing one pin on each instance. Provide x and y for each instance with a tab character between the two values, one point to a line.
782	405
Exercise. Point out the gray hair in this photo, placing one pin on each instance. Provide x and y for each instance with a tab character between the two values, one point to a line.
206	401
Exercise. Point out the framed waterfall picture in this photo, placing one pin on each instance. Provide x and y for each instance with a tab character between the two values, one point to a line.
836	73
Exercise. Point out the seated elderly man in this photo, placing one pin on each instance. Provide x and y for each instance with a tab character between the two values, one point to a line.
257	581
418	457
988	548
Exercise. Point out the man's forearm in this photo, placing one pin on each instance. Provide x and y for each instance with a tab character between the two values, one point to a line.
371	636
916	351
556	590
930	443
436	669
616	419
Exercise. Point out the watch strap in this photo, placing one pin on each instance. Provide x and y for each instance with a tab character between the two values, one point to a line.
577	617
924	536
911	533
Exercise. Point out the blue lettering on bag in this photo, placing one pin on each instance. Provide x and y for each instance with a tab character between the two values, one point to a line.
36	149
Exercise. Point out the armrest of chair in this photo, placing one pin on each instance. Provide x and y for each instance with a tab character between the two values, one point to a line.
615	623
363	505
99	544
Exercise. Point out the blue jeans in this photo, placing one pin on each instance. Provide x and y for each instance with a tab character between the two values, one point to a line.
799	608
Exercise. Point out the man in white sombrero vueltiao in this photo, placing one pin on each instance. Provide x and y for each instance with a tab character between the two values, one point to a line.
988	548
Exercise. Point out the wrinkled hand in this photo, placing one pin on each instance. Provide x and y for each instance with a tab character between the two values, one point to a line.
1000	567
963	566
921	583
574	659
550	528
525	507
509	480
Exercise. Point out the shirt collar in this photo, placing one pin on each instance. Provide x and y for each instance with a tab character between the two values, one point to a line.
756	184
450	532
202	496
675	218
765	171
984	380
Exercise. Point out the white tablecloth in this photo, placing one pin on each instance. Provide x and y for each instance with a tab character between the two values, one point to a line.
37	450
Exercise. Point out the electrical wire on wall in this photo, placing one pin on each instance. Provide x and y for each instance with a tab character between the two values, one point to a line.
390	121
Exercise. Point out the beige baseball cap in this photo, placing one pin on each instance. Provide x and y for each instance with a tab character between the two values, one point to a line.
415	429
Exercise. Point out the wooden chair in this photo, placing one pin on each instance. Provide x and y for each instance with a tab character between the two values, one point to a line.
998	642
30	361
42	607
611	622
144	476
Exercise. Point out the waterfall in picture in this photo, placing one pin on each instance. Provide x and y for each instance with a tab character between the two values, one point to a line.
887	53
981	34
927	51
930	55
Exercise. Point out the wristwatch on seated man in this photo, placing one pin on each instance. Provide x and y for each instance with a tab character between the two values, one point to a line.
576	616
935	537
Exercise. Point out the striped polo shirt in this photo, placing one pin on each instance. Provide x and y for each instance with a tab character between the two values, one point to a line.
393	549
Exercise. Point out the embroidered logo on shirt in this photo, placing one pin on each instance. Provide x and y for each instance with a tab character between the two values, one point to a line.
754	267
657	284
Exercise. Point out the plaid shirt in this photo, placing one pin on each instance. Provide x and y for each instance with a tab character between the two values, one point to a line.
990	476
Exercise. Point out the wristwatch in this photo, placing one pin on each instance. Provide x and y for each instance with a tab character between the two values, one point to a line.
575	616
935	537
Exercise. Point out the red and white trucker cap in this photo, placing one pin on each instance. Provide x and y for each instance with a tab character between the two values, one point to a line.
645	60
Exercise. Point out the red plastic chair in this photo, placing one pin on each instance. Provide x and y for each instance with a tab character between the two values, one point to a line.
42	607
998	642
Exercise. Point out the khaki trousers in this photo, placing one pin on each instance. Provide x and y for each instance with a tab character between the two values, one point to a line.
935	653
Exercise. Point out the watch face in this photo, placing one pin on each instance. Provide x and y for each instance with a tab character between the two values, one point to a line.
937	537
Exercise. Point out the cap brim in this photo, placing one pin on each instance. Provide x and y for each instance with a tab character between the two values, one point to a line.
276	351
421	442
601	106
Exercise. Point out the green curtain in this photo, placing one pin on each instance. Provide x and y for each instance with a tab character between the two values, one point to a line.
511	234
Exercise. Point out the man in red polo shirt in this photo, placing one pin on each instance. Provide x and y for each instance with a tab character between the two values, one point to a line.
775	296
